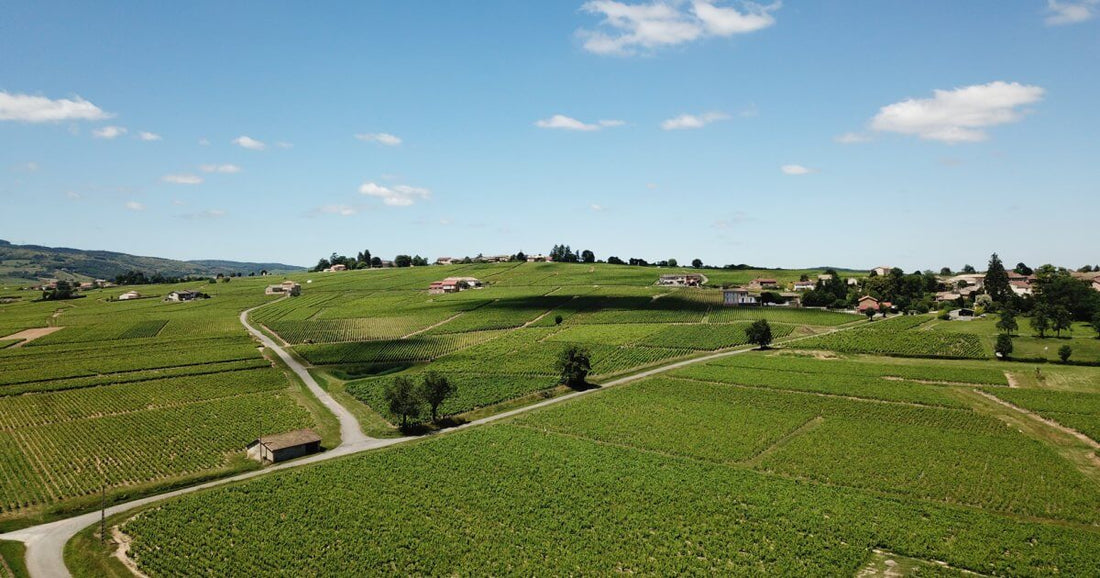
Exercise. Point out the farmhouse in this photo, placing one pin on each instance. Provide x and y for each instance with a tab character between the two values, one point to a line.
454	285
336	268
129	295
739	296
681	280
285	446
963	314
1021	287
882	270
804	285
825	277
763	284
867	302
445	261
285	288
185	295
540	258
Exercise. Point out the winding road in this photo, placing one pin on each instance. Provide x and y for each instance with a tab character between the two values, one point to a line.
46	542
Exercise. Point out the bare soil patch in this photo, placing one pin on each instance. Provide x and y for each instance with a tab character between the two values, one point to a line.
28	335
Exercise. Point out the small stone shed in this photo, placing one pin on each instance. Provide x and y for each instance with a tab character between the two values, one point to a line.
285	446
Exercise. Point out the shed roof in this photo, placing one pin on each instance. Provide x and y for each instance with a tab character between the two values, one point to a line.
290	439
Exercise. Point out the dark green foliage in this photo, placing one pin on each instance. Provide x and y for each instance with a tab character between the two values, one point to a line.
435	389
1007	323
1003	348
1064	352
996	281
403	399
574	364
760	333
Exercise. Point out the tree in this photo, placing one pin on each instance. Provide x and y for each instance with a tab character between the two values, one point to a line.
557	320
946	272
1007	322
521	257
574	363
996	281
969	269
1061	319
435	389
62	290
403	399
588	256
760	333
1023	269
1003	348
1096	324
376	262
870	313
697	263
673	263
613	260
1040	320
402	261
1064	352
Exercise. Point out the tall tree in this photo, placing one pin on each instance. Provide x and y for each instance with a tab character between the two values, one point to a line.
588	256
1007	322
697	263
1040	320
403	399
996	281
402	261
435	389
574	363
759	333
969	269
1023	269
1061	319
1003	348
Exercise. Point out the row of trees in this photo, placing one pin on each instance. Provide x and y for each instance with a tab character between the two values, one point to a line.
408	399
141	278
364	260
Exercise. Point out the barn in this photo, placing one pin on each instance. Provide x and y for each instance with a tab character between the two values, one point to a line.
285	446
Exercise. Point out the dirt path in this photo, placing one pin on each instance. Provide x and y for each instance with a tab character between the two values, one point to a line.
1011	379
123	550
29	335
1050	423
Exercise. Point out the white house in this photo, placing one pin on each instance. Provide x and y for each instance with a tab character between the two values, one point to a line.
185	295
129	295
738	296
882	270
285	288
804	285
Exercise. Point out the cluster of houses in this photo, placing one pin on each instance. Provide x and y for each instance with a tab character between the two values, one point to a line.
753	294
84	286
285	288
490	259
682	280
454	285
185	295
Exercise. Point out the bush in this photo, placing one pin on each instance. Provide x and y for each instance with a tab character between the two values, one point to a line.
1064	352
1004	346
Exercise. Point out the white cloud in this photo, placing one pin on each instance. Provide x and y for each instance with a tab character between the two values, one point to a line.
204	142
341	210
224	169
72	195
109	132
284	145
395	196
148	136
249	143
134	206
690	121
630	28
852	138
1070	12
382	138
562	122
596	207
958	115
182	179
27	108
796	170
207	214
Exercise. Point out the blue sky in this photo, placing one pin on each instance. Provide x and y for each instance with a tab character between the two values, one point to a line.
855	133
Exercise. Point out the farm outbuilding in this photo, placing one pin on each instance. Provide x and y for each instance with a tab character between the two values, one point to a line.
285	446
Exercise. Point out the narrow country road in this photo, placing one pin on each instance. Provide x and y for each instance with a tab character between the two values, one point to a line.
46	542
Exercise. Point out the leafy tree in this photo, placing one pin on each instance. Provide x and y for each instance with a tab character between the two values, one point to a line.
615	261
376	262
969	269
403	399
760	333
573	365
588	256
62	290
946	272
519	257
557	320
1003	348
996	281
1023	269
673	263
1061	319
697	263
1064	352
418	261
435	389
1040	320
1007	322
402	261
870	313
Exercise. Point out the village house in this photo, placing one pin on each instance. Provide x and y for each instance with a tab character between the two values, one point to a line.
285	446
285	288
540	258
1020	287
882	270
446	261
825	277
804	285
129	295
761	283
336	268
738	296
681	280
454	285
185	295
870	303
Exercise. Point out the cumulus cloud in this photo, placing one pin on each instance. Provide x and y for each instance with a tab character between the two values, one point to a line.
27	108
340	210
690	121
382	138
562	122
1072	12
852	138
148	136
134	206
796	170
249	143
395	196
958	115
224	169
631	28
182	179
109	132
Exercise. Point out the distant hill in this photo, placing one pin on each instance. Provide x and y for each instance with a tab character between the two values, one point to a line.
32	262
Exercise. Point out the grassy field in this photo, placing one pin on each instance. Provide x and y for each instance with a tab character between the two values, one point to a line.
1027	344
668	475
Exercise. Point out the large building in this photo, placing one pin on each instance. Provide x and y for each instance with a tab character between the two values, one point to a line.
285	288
738	296
285	446
681	280
185	295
